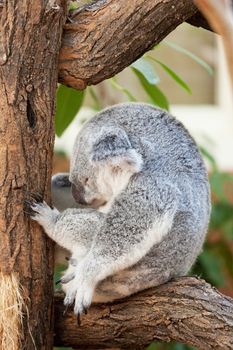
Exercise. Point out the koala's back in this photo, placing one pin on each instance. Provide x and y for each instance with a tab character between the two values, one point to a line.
162	140
168	151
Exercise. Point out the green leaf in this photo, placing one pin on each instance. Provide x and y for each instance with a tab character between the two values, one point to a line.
221	216
191	55
68	103
73	5
58	272
209	157
228	230
122	89
179	346
156	95
173	75
212	267
153	346
226	255
97	105
147	70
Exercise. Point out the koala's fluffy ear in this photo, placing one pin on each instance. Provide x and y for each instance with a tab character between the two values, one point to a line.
112	147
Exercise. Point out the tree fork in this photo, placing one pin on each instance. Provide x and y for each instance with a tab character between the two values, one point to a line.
30	40
187	310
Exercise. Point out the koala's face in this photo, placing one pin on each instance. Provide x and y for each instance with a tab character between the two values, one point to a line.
93	184
102	163
83	177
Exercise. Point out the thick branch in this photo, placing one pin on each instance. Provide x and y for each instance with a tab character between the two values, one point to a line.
107	36
187	310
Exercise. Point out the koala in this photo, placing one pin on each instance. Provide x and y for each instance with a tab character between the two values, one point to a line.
139	205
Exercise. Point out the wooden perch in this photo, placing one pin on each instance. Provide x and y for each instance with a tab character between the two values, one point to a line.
187	310
104	38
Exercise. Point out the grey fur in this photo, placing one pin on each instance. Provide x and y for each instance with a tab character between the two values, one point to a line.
157	204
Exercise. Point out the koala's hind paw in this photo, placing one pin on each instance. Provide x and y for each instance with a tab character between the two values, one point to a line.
83	299
80	293
69	299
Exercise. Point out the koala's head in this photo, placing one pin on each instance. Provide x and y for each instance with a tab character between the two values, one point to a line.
102	164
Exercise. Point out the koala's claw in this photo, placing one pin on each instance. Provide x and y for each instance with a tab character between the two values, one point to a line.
28	208
79	319
30	202
67	278
66	310
35	196
69	299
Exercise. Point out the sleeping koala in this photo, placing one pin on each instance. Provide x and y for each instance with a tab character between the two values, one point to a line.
145	205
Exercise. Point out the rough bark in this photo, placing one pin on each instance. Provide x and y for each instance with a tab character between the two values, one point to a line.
105	37
187	310
29	43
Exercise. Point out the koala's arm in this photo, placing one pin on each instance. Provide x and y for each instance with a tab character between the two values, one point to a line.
73	229
138	219
61	192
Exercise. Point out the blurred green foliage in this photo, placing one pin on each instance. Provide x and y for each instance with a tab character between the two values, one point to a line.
68	102
216	260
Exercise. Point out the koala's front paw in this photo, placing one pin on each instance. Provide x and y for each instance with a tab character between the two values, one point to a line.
42	213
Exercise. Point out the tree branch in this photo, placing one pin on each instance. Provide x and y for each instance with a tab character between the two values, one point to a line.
187	310
107	36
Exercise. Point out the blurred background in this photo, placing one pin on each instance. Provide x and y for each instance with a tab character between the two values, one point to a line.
187	75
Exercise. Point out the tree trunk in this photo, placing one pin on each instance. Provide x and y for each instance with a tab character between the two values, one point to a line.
187	310
29	43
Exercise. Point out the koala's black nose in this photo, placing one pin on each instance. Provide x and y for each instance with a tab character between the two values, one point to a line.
78	193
